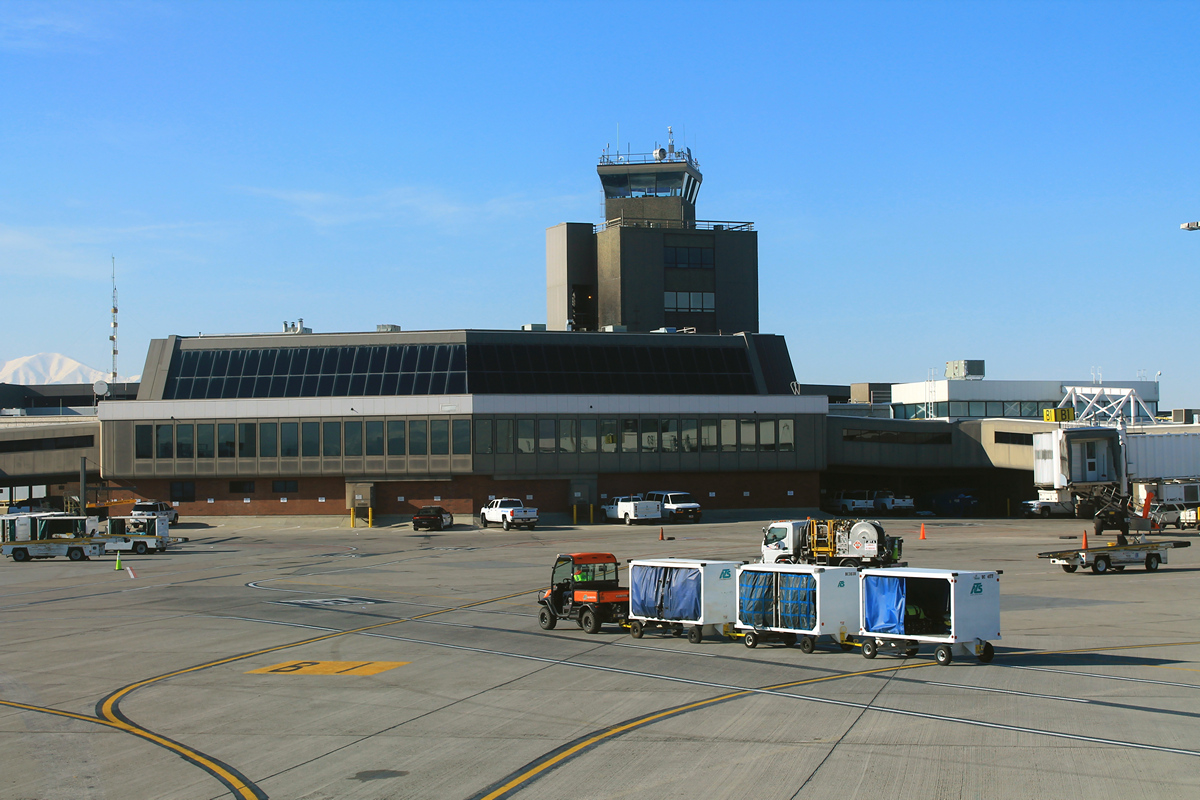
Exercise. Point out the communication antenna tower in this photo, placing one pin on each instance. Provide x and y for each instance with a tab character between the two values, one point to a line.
113	336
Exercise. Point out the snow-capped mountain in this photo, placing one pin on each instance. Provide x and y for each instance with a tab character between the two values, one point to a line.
50	368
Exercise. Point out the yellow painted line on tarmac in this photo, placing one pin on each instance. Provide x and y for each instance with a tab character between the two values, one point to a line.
554	760
1185	669
329	668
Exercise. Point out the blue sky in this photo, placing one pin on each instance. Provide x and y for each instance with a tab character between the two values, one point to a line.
930	182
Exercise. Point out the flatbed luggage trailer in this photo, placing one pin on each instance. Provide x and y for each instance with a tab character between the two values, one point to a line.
25	537
901	609
677	594
1116	556
797	603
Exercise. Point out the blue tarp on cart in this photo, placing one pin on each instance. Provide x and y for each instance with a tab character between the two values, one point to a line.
755	598
883	604
797	601
664	592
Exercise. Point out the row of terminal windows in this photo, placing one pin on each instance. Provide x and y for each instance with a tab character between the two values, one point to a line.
333	439
867	436
185	491
643	435
689	301
975	408
688	257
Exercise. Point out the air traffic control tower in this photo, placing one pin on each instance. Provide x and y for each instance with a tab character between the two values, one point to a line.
651	264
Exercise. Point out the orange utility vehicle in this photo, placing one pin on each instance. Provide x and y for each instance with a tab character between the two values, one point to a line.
584	587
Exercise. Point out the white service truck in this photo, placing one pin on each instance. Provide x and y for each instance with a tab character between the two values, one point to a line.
852	503
507	512
632	508
676	506
834	542
885	501
24	537
1049	503
138	535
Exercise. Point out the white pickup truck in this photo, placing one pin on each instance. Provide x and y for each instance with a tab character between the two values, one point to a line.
885	501
855	503
632	508
1050	501
507	512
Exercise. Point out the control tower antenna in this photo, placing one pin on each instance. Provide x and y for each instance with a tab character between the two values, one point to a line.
113	336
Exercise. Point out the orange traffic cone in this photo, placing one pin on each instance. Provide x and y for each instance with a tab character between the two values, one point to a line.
1085	538
660	534
922	530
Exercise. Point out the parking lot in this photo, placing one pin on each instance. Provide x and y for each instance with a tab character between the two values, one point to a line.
299	658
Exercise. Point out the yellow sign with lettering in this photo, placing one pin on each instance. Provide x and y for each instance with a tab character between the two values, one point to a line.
1058	414
329	668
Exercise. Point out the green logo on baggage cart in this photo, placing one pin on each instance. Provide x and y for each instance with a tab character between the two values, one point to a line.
977	589
725	574
841	584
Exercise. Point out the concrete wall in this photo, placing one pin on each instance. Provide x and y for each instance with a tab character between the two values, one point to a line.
570	260
41	466
737	281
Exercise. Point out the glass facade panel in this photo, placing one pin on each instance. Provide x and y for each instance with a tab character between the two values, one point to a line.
787	436
608	436
311	439
395	437
331	439
957	409
689	436
504	436
439	437
526	436
629	436
649	436
205	440
1029	408
460	443
587	436
546	443
566	436
668	435
483	437
354	438
289	439
165	441
374	441
268	444
729	436
226	440
418	438
143	441
247	440
977	408
184	441
708	435
995	408
766	435
749	440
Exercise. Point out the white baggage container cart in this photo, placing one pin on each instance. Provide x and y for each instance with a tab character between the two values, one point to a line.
797	603
901	608
679	593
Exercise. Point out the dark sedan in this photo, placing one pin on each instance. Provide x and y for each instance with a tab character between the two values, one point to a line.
435	518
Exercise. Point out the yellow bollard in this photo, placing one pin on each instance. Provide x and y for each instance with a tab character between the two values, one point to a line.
351	516
591	513
370	518
574	515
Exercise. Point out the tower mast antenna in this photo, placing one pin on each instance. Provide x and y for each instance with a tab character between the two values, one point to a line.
113	336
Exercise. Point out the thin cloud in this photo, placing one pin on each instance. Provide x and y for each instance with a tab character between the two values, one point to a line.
50	30
75	251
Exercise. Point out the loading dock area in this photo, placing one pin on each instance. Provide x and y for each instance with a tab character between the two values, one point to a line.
295	657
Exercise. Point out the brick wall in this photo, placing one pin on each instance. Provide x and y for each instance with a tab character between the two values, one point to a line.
730	489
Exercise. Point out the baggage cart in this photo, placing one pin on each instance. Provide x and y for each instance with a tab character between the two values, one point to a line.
677	594
902	608
1132	550
797	603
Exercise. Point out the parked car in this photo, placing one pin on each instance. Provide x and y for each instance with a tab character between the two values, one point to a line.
155	508
1049	502
885	501
852	503
676	505
1167	514
434	518
951	503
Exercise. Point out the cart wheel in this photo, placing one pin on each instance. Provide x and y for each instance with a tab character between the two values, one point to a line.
589	621
750	639
1069	567
911	650
547	619
846	646
943	654
807	644
20	554
1100	565
789	640
140	548
75	554
635	629
868	648
988	653
695	634
1152	561
677	631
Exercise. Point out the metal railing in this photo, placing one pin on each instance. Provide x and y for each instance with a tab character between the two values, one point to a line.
698	225
619	159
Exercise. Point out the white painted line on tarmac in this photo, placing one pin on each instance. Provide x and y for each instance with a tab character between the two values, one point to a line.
662	650
1102	677
1010	691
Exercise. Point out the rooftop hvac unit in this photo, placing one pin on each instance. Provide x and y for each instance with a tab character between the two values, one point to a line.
660	154
534	326
964	370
